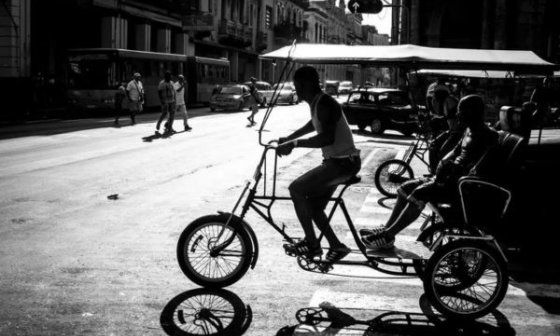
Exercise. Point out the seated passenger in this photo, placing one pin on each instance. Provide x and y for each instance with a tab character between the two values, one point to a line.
477	139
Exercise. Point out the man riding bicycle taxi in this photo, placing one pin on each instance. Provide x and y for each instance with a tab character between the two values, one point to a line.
311	192
477	139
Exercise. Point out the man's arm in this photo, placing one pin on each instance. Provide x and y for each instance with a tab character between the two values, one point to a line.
305	129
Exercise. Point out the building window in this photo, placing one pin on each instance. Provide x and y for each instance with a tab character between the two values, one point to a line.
268	18
251	14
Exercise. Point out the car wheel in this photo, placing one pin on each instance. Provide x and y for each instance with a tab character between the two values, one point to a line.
240	106
212	109
263	103
376	126
362	127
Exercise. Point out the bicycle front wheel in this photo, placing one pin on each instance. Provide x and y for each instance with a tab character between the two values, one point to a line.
203	257
390	175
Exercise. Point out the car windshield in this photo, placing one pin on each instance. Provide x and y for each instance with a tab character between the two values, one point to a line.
287	86
361	98
237	90
393	98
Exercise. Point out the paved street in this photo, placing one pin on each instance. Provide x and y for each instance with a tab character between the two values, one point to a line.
77	263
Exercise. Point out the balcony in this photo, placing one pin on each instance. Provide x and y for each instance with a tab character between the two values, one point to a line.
285	33
234	34
198	22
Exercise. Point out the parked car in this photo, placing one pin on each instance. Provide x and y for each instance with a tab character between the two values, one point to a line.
345	87
286	94
381	109
261	86
331	87
231	97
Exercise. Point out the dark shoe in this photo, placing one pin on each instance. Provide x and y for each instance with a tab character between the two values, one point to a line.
375	231
302	248
188	128
337	253
157	132
379	242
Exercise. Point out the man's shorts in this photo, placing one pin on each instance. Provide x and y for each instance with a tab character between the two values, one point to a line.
182	108
135	106
423	190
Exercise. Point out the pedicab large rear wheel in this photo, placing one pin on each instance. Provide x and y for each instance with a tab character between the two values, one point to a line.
466	279
199	258
436	231
390	175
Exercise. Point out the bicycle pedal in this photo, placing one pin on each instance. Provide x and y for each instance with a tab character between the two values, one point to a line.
325	267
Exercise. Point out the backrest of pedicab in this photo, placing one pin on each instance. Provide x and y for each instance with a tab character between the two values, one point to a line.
486	193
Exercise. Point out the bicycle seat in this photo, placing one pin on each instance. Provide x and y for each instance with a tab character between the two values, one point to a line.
353	180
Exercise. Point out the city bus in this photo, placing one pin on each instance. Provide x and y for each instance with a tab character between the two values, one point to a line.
94	75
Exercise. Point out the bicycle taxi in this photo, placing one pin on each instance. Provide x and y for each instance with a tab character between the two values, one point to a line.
463	268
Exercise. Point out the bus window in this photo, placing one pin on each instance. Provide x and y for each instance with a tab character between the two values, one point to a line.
92	74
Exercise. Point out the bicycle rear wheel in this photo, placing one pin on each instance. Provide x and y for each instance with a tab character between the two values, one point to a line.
466	279
390	175
197	256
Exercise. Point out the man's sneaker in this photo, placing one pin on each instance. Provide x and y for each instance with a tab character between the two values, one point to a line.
373	231
379	242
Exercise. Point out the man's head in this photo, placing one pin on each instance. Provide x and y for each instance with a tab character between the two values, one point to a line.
306	81
471	111
137	76
441	92
167	76
181	78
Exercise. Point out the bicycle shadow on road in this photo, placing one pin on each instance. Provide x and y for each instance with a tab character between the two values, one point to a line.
330	320
205	311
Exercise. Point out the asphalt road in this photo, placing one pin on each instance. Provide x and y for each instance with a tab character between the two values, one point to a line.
75	262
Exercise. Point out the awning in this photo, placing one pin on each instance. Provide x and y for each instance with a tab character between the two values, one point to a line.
495	74
415	57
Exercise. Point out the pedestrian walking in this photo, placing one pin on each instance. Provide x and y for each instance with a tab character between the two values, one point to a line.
135	94
180	103
255	101
119	99
166	93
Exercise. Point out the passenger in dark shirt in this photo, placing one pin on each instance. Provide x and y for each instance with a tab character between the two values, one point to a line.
477	139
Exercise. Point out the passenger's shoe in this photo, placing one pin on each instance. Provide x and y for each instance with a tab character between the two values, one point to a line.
379	242
373	231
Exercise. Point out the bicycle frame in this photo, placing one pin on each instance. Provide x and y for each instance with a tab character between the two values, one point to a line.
263	202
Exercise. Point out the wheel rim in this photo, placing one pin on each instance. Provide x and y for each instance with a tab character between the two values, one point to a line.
464	265
207	314
218	268
392	176
375	125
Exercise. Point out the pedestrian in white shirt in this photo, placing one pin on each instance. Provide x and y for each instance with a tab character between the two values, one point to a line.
135	94
180	104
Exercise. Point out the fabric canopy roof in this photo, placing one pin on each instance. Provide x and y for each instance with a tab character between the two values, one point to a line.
466	73
414	57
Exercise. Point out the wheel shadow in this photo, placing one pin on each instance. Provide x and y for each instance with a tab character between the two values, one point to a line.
328	319
205	311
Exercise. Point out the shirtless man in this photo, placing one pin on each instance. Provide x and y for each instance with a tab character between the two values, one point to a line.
341	161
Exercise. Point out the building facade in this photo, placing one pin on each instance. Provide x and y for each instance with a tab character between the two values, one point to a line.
487	24
36	35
